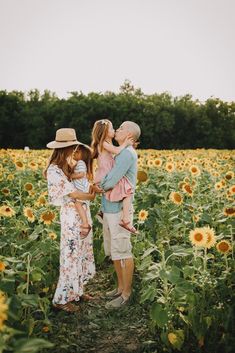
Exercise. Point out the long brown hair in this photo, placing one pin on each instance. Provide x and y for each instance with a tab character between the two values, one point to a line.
86	156
59	157
99	134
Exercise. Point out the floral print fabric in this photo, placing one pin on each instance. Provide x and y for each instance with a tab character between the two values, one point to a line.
76	256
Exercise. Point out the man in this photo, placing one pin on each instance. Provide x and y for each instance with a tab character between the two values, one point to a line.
116	239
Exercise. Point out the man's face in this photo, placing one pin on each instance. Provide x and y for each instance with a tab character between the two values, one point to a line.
122	133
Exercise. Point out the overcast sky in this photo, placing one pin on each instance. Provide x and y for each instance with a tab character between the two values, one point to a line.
179	46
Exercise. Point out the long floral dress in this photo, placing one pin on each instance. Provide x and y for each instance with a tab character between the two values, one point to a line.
77	264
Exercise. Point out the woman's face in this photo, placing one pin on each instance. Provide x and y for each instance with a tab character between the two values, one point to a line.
111	131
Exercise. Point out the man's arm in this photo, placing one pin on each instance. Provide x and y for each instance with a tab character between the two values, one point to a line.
123	162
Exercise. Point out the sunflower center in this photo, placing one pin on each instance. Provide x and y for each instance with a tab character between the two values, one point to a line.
198	236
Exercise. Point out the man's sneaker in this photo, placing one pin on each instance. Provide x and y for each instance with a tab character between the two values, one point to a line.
117	303
112	294
100	217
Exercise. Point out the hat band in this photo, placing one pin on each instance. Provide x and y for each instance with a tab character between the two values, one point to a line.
65	140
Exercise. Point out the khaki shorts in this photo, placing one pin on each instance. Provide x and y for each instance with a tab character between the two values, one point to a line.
117	241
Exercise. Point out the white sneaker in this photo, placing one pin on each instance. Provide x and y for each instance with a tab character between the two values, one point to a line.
117	303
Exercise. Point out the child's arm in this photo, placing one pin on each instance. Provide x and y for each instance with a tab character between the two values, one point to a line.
77	175
117	149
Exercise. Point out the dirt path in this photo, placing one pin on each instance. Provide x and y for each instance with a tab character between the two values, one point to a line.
95	329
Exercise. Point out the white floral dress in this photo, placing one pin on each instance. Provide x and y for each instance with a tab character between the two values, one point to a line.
77	264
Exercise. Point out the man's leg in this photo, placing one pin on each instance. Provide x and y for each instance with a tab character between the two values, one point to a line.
127	275
119	272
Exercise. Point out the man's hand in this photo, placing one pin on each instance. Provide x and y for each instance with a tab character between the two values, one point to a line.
95	188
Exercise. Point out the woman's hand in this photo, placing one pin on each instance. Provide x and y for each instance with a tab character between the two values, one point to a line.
97	189
82	195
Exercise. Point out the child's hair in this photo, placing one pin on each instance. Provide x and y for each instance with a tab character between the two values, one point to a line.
99	134
86	156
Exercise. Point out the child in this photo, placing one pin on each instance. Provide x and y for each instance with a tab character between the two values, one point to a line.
81	173
103	149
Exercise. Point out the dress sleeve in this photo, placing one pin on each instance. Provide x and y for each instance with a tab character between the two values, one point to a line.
58	186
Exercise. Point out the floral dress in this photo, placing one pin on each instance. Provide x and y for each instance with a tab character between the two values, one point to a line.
76	256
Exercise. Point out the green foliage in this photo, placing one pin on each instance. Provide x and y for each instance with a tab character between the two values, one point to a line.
31	119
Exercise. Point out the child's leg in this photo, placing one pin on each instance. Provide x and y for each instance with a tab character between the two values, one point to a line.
126	209
82	213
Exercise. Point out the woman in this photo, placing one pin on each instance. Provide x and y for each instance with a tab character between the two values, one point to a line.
76	255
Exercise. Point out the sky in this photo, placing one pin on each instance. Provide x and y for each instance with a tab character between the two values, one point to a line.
177	46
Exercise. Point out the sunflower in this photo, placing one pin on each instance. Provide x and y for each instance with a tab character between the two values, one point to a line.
47	217
176	198
6	211
158	162
28	187
150	163
181	184
170	167
218	185
194	170
6	191
232	190
3	310
2	266
19	165
52	235
229	211
187	189
33	166
210	237
142	176
143	215
224	246
229	175
41	201
28	212
198	237
196	218
10	177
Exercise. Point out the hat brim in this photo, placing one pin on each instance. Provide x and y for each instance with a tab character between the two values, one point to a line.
56	144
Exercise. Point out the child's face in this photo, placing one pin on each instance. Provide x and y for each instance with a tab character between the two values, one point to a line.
76	155
111	131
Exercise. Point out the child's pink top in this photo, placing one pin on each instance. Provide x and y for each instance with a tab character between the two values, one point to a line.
122	189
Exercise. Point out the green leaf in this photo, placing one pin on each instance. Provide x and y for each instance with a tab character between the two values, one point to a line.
7	285
32	345
159	314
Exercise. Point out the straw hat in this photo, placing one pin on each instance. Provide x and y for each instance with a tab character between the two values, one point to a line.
64	137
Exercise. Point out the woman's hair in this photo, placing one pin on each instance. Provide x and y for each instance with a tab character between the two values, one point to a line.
86	156
99	134
59	157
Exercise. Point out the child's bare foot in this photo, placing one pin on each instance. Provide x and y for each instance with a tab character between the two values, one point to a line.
128	226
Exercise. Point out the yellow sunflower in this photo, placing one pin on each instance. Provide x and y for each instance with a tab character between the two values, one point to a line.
196	218
28	187
6	191
47	217
158	162
210	237
229	175
19	165
176	198
33	166
142	176
194	170
6	211
224	246
150	163
10	177
41	201
2	266
170	167
198	237
218	185
143	215
28	212
229	211
187	189
3	310
52	235
232	190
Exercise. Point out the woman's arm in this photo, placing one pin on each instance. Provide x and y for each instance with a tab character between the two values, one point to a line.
82	195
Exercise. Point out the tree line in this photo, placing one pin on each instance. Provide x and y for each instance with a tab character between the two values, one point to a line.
31	119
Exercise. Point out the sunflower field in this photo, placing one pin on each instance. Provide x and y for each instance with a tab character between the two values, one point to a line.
185	214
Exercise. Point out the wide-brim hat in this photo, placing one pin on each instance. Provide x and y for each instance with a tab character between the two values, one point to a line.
65	137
